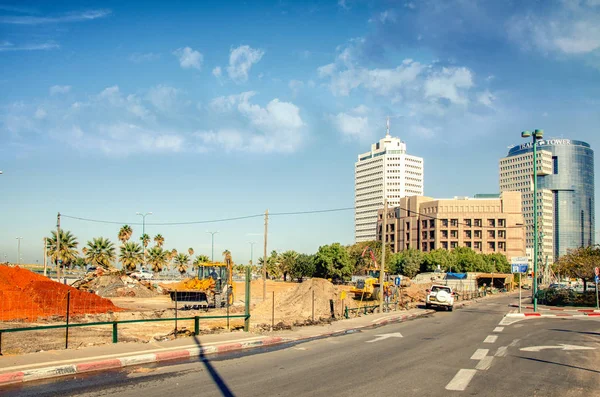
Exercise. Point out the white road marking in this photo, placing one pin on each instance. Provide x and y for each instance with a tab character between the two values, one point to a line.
498	329
385	336
501	352
490	339
559	347
461	379
514	343
485	363
479	354
511	320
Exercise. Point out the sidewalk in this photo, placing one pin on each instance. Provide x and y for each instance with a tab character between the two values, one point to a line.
55	363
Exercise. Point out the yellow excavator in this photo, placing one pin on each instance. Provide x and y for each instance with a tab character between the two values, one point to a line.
213	287
368	287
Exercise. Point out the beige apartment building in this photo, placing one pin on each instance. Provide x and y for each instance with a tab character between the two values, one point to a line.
486	223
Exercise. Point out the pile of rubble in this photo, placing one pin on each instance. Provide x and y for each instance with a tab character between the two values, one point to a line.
113	284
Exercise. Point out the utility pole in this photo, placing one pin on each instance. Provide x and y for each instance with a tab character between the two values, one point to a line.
144	233
264	270
212	258
382	264
58	247
19	250
45	259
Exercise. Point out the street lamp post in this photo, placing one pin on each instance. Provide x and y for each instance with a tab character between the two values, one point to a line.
19	250
535	136
212	258
143	233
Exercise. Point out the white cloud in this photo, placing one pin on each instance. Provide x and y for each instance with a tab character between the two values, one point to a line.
326	70
241	60
387	16
486	98
40	114
571	29
8	46
295	86
277	127
342	4
131	103
59	89
163	97
217	72
69	17
355	127
447	84
143	57
189	58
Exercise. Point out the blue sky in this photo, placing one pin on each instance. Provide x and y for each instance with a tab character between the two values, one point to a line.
214	109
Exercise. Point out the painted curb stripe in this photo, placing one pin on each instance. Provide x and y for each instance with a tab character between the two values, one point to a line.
98	365
137	360
50	372
13	377
166	356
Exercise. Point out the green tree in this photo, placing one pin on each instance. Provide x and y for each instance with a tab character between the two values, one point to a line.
332	261
159	240
580	263
497	262
182	260
157	258
441	257
408	262
467	260
145	239
100	252
67	250
125	234
287	261
304	266
227	256
190	252
361	263
131	255
198	261
80	263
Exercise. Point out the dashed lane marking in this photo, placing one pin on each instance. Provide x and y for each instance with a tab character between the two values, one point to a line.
501	352
491	339
479	354
498	329
461	379
485	363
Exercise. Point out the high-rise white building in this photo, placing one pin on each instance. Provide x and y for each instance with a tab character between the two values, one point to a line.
386	171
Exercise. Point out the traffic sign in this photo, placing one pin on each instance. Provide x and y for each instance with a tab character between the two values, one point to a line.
597	279
398	280
519	268
597	271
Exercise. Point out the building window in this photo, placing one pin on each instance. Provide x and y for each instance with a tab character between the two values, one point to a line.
432	223
454	233
502	246
501	234
424	224
444	222
501	222
492	246
453	244
424	234
445	245
477	222
431	245
431	234
491	222
477	245
454	222
468	234
424	245
444	234
468	244
491	234
477	233
468	222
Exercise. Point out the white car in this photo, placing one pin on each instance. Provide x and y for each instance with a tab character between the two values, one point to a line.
440	296
142	275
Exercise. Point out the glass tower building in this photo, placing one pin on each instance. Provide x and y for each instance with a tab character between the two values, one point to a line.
565	192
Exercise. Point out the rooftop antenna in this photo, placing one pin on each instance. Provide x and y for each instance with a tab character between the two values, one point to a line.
387	132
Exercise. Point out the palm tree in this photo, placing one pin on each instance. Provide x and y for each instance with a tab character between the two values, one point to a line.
286	262
68	248
101	252
158	258
145	239
125	234
159	240
131	255
181	260
200	259
227	256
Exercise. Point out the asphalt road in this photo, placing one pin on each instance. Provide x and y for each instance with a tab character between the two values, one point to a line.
467	351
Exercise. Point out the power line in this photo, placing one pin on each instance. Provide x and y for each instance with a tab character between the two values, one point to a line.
312	212
164	223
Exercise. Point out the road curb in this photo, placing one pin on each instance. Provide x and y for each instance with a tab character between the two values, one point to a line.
102	365
561	315
559	309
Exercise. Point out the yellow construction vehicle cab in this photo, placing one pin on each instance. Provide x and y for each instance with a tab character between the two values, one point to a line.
368	287
213	287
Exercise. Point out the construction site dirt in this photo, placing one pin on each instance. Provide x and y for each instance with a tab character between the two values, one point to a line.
294	306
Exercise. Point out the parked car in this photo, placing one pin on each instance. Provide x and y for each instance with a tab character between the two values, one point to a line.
440	296
142	275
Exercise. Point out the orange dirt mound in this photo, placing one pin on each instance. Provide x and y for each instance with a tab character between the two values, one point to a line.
28	296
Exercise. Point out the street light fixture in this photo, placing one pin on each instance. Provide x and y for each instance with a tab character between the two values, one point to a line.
212	258
535	136
143	232
19	250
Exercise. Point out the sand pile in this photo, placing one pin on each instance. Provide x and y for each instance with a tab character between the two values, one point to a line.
113	285
25	295
415	292
295	304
